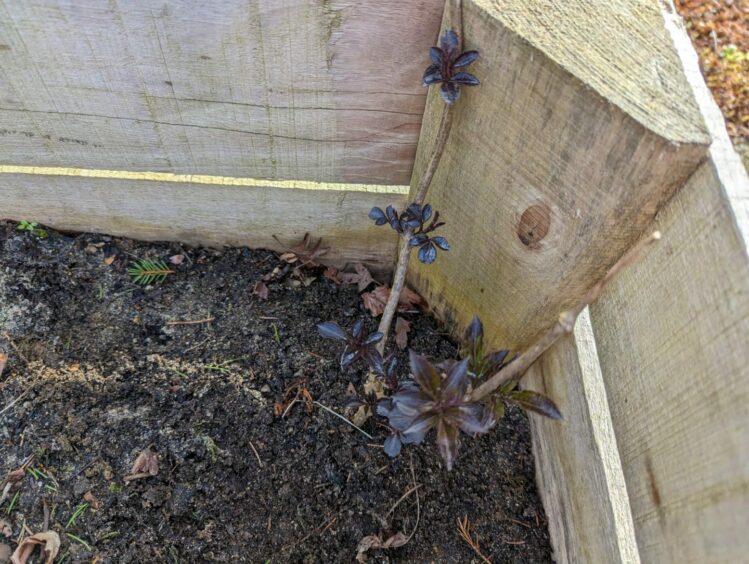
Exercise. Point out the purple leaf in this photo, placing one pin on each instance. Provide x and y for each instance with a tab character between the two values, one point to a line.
421	425
374	359
431	76
495	360
424	374
348	357
384	408
413	438
474	335
357	331
427	253
392	446
373	338
331	330
465	78
465	59
435	53
449	41
448	443
473	419
411	402
456	383
417	240
441	242
538	403
378	216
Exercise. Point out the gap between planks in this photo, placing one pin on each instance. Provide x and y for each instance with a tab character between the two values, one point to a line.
203	179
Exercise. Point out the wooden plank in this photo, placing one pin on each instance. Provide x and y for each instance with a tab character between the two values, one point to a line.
673	340
558	161
211	211
578	471
327	91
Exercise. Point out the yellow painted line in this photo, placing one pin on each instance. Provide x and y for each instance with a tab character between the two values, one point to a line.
202	179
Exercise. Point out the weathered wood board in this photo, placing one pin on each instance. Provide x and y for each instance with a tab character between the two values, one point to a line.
328	90
208	210
582	128
578	471
673	342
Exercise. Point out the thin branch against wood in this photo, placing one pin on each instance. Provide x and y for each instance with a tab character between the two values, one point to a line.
404	250
399	281
564	325
443	133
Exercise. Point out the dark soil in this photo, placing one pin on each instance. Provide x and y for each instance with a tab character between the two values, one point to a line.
98	374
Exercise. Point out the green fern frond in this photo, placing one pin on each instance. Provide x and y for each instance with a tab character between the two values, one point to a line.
146	271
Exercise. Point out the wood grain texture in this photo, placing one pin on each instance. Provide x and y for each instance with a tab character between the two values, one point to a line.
326	90
212	215
578	471
548	177
673	341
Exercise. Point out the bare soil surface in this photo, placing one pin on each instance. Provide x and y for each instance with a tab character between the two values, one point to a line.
98	371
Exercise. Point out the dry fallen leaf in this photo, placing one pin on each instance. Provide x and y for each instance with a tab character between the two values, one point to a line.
49	541
109	260
362	277
331	273
5	528
147	464
375	300
302	278
91	499
305	253
375	541
261	290
177	259
13	479
402	327
5	552
3	362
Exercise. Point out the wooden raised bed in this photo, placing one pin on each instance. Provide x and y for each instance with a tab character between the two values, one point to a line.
592	125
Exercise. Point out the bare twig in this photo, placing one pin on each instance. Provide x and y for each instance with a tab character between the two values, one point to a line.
193	322
288	407
404	250
410	490
443	133
342	418
15	348
564	325
318	531
14	402
399	280
260	462
45	523
418	503
464	529
137	476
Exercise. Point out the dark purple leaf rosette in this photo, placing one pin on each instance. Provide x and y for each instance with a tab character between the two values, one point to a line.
415	223
445	61
432	400
359	345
